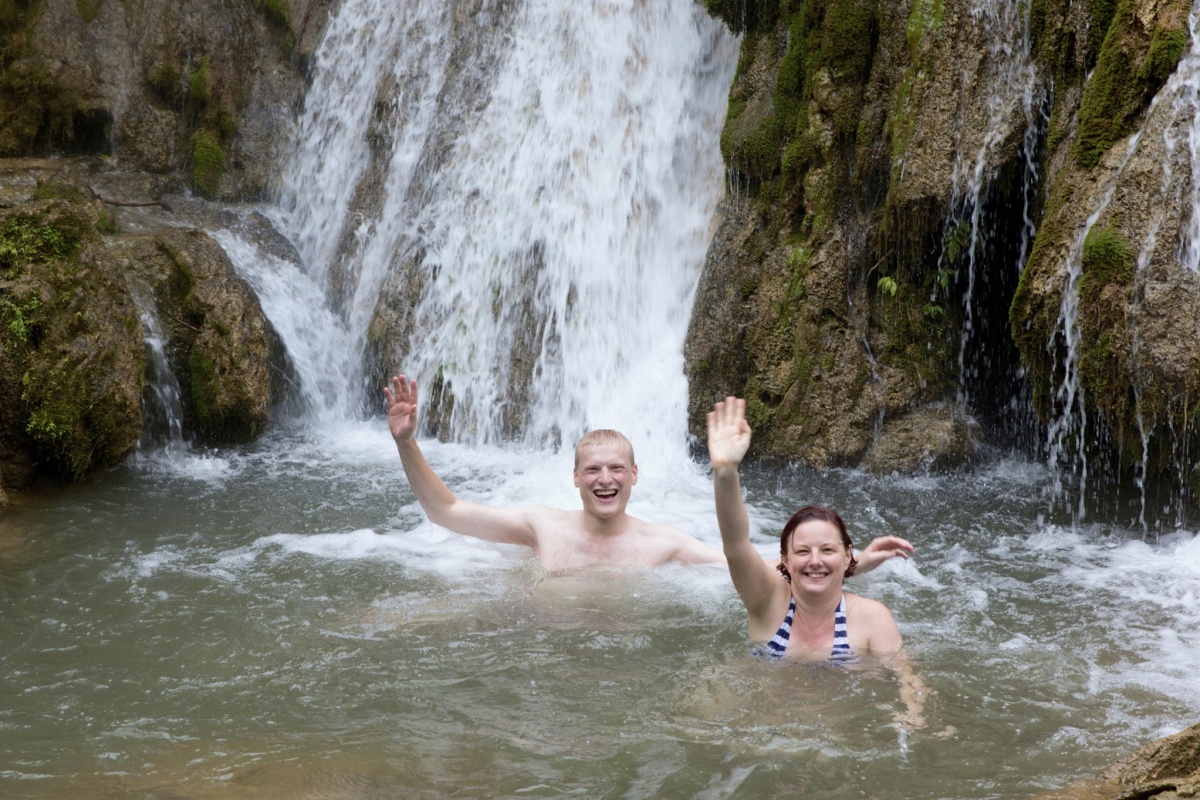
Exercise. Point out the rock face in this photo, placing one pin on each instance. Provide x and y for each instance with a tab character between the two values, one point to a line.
73	347
159	100
1164	770
71	365
198	89
923	188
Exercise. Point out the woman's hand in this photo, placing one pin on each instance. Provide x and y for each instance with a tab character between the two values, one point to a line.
880	550
728	433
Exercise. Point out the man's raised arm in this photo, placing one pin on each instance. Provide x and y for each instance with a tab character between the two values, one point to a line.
443	507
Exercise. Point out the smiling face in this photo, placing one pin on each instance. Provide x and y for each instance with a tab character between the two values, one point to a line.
605	474
816	558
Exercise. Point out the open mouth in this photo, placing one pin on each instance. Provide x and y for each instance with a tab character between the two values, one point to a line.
605	493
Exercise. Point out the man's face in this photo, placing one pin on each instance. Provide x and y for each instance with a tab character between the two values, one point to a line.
605	477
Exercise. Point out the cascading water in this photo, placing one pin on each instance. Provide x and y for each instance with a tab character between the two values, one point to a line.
280	620
1013	90
1176	111
554	182
1187	104
162	404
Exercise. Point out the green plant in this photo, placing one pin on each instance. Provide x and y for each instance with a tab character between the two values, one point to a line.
42	427
25	240
887	285
17	316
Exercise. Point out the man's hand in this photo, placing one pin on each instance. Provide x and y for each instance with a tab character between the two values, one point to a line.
402	408
880	550
728	433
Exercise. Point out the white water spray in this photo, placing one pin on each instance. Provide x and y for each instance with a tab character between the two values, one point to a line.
564	190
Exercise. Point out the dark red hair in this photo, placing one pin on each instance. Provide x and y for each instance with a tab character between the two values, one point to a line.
808	514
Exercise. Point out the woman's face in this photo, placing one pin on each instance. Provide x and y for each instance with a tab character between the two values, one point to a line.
816	558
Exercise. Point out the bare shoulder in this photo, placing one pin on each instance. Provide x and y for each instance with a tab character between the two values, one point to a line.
548	521
676	544
871	623
864	609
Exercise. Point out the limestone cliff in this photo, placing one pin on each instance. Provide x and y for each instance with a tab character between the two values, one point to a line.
196	89
75	292
136	102
908	172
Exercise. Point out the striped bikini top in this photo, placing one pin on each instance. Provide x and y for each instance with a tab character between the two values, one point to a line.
842	654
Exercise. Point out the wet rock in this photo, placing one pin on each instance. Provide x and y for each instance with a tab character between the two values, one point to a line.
138	81
933	438
1166	769
1111	264
73	291
217	336
72	350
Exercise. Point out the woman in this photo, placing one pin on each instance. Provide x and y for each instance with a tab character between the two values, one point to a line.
797	608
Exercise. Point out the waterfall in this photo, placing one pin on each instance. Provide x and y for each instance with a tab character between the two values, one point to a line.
162	405
1178	102
1188	104
549	173
1012	89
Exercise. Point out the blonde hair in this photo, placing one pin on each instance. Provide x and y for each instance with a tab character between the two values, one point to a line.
603	436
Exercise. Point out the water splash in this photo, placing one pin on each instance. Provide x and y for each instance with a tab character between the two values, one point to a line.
316	337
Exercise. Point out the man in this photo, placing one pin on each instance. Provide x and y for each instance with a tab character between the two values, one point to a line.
601	534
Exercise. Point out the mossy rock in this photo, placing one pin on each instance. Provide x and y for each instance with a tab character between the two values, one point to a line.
1132	66
208	163
219	336
72	338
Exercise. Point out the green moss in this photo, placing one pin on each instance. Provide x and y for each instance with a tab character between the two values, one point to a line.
276	10
35	107
88	9
742	16
106	222
208	163
204	389
166	82
1130	69
758	413
198	91
59	400
925	17
1166	48
1106	259
226	125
